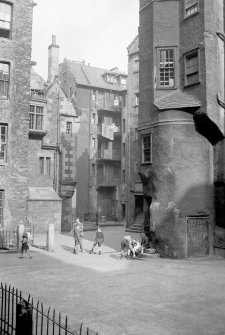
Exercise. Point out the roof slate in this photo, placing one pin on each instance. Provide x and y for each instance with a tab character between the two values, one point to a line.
177	99
36	81
92	76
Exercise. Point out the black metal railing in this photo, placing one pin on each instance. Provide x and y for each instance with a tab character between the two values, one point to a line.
21	317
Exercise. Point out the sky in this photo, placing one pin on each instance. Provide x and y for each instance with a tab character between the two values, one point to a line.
96	31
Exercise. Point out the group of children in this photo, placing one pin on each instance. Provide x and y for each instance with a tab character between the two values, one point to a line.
130	246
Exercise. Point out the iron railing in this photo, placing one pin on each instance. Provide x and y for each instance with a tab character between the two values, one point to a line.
9	238
21	317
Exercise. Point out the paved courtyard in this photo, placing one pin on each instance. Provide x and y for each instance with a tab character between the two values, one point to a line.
123	297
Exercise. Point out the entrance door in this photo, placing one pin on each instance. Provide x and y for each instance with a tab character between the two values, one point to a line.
197	236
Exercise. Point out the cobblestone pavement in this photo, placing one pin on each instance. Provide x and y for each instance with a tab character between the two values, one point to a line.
120	297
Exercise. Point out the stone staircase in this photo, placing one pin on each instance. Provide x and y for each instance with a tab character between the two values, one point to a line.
88	226
137	226
150	253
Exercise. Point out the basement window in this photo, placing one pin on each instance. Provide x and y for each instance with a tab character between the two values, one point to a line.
5	19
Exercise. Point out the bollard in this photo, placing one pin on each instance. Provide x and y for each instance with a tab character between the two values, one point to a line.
24	322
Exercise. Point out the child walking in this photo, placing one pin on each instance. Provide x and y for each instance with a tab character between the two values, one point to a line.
99	239
25	246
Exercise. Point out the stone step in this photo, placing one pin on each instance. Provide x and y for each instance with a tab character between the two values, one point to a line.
150	256
150	251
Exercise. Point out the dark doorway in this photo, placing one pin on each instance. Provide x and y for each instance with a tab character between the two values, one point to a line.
123	211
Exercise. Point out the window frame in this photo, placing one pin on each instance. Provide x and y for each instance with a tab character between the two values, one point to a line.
9	35
188	8
159	68
4	143
186	74
143	159
69	130
44	167
35	114
5	96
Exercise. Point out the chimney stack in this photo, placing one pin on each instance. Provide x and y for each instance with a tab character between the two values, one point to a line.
53	60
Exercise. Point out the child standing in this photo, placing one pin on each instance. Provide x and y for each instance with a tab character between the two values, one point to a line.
99	239
25	246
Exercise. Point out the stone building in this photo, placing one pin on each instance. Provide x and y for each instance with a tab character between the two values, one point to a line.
100	96
15	65
181	125
135	213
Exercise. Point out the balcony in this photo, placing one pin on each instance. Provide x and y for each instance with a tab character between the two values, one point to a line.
108	131
107	181
110	155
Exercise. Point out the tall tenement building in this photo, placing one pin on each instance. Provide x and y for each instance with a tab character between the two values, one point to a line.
181	124
100	96
15	66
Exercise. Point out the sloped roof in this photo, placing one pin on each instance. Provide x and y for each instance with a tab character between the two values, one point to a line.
133	47
177	99
36	81
42	193
92	76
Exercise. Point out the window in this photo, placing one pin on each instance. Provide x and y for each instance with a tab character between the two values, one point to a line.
1	207
166	68
124	125
146	149
136	99
191	68
4	80
36	117
93	143
116	101
93	118
69	128
191	7
136	64
3	142
48	165
45	165
5	19
93	169
41	164
124	149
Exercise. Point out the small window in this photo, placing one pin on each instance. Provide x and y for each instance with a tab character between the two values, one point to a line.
69	128
136	64
3	142
5	19
93	169
191	7
124	125
124	149
192	68
45	165
93	143
93	118
41	165
4	80
48	165
116	101
36	117
166	68
136	99
147	149
1	207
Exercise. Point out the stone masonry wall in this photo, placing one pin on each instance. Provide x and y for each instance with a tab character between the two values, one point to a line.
14	112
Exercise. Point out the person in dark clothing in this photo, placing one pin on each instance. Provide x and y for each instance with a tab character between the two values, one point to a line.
25	246
99	239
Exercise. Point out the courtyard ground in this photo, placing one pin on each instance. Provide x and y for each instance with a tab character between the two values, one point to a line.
122	297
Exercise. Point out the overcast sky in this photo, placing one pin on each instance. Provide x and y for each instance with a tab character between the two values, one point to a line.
97	31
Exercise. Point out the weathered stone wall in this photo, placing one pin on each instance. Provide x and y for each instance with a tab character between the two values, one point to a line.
50	213
14	112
